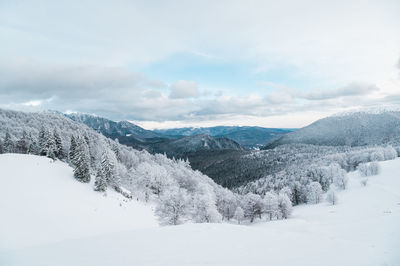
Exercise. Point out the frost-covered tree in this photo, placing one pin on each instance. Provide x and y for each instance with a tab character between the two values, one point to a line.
109	168
100	184
331	196
239	214
284	206
204	210
339	176
390	153
82	163
253	205
227	203
173	206
72	150
58	146
314	194
23	143
8	143
270	205
369	169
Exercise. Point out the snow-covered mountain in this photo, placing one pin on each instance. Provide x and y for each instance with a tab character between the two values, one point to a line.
357	128
154	142
248	137
111	128
49	219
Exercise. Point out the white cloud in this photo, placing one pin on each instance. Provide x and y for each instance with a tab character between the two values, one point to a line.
184	89
353	89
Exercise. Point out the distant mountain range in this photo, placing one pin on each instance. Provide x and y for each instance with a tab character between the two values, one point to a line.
248	137
357	128
111	128
155	142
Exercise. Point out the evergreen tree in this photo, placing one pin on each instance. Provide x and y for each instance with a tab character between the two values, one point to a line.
23	143
8	144
81	158
43	145
100	183
59	149
50	146
108	166
72	151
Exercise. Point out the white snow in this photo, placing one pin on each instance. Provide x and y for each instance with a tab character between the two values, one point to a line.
363	229
41	203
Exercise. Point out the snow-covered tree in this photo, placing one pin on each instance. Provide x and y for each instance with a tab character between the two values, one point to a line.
172	207
253	205
82	163
239	214
58	146
23	143
331	196
100	183
72	150
204	210
369	169
227	203
284	206
108	166
8	144
314	194
270	205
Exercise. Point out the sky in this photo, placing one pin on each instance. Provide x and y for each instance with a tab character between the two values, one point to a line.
164	64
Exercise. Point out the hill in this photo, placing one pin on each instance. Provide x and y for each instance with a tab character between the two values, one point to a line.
359	128
111	128
42	203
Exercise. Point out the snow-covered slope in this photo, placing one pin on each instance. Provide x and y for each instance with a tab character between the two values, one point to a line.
41	203
363	229
357	128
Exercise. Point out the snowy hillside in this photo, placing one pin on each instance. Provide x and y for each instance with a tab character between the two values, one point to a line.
357	128
41	203
88	229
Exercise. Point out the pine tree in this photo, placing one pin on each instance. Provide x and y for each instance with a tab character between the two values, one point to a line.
72	151
82	161
108	166
59	149
8	144
100	183
43	141
22	144
50	146
116	150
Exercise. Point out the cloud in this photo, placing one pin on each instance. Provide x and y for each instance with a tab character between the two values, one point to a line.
184	89
353	89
